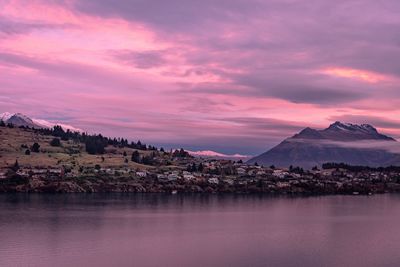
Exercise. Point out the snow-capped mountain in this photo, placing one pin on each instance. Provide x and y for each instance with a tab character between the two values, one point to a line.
19	119
5	116
217	155
340	142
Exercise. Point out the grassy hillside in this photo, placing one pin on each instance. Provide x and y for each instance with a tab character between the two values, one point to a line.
71	154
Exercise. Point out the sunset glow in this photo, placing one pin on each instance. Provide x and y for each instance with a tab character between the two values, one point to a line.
233	77
355	74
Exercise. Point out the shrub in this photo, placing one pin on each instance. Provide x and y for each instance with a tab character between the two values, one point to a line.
55	142
35	148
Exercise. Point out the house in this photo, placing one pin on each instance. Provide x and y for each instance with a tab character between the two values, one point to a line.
241	171
213	180
229	181
162	177
55	171
282	184
141	174
188	177
280	174
173	177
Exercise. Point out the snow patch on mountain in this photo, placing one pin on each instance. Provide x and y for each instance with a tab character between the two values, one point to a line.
213	154
5	116
47	124
20	119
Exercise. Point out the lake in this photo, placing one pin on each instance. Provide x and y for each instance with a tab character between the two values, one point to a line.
198	230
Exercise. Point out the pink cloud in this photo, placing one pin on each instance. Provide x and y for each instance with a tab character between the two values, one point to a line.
210	76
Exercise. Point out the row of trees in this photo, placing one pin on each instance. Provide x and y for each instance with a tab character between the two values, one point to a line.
357	168
195	168
146	159
95	144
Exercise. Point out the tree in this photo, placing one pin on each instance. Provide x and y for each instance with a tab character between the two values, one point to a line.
147	160
27	152
136	157
95	144
55	142
192	167
180	153
15	167
125	154
2	124
35	148
200	168
272	167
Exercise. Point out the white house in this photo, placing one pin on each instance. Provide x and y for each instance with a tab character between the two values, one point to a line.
188	177
213	180
141	174
241	171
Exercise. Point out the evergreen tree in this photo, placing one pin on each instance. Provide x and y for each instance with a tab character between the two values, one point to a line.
35	148
201	167
15	167
55	142
136	157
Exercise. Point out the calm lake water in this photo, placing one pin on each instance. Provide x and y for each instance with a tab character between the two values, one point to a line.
187	230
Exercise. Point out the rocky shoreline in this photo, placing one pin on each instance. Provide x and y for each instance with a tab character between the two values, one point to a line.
17	183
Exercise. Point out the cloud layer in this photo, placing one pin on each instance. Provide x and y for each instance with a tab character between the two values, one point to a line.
232	76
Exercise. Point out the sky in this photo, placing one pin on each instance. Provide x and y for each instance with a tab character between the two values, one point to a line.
233	76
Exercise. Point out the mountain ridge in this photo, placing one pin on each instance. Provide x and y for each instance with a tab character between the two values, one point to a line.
19	119
340	143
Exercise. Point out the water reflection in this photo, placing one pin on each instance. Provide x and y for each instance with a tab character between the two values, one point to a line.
198	230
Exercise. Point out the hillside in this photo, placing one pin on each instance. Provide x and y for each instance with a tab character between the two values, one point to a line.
14	143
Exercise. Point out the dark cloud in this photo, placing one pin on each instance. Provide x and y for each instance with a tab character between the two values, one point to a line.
12	27
141	60
273	44
176	15
299	88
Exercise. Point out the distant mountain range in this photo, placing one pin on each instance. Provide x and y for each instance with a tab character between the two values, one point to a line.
217	155
19	119
340	142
